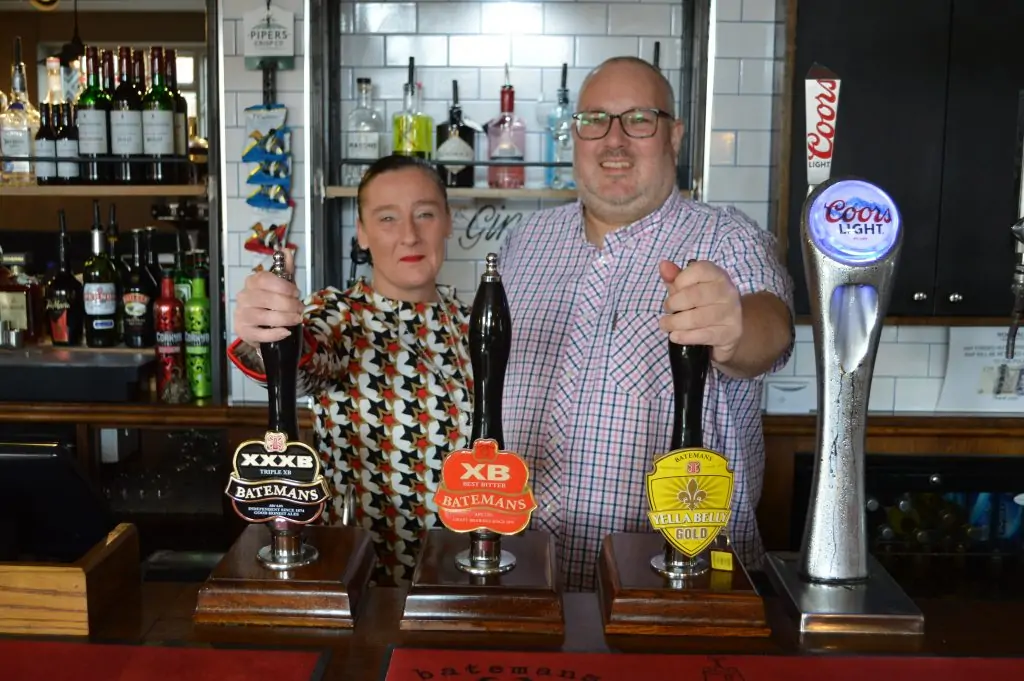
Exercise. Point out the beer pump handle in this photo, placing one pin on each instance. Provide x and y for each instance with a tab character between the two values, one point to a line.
281	362
490	342
690	365
1017	288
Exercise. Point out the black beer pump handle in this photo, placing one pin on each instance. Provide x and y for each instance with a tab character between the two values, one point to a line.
281	362
490	342
690	365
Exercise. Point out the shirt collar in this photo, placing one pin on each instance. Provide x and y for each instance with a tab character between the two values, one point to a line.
663	213
364	292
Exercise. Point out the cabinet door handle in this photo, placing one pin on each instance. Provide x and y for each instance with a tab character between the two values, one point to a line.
920	295
955	297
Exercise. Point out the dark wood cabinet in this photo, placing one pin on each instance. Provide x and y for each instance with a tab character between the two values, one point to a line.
981	165
928	110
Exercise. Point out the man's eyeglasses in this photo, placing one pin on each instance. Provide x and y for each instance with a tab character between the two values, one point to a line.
636	123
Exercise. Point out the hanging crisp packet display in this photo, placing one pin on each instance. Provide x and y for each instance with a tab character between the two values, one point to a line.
267	152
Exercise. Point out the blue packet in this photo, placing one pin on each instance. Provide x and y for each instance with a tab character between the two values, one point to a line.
272	173
276	145
269	196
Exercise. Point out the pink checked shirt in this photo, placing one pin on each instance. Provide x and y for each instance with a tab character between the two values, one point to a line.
588	392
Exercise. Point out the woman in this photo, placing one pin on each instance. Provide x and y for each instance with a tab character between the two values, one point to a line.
386	363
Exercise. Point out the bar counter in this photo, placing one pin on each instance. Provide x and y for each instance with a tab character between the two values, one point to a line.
155	414
953	627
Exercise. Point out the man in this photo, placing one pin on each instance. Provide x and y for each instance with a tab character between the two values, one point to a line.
588	392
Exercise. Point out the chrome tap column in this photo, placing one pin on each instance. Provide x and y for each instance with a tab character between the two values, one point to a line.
851	236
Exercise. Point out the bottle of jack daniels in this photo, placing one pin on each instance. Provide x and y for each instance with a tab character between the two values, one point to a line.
279	478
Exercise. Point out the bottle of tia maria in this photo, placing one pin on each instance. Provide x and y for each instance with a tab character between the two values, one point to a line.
455	146
68	171
158	123
126	123
138	297
169	323
281	363
198	358
114	245
150	256
64	296
92	120
100	294
45	144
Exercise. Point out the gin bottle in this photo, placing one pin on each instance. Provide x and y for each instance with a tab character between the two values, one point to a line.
506	141
558	141
363	127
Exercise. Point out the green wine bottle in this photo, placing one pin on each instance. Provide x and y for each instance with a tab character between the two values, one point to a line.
158	123
198	356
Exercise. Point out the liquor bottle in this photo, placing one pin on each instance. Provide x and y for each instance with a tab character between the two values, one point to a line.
506	141
179	171
54	82
99	295
169	322
138	297
363	129
114	245
68	166
558	141
158	109
198	154
412	128
22	297
456	146
198	353
182	278
18	127
126	123
92	119
139	71
281	366
107	73
45	145
64	296
200	266
150	255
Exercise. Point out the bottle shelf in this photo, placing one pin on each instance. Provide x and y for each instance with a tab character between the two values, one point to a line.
101	190
526	193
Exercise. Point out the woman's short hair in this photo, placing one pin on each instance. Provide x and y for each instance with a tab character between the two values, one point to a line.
389	164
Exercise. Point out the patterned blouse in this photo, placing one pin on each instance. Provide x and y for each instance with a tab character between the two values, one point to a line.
392	388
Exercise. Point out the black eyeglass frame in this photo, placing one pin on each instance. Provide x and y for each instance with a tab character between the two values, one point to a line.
610	118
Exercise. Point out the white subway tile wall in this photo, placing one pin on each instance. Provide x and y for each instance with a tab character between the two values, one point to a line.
472	41
242	89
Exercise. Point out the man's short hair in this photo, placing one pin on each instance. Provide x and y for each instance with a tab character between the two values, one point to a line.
666	86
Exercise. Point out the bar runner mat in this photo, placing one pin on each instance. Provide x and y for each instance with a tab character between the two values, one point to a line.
417	664
58	661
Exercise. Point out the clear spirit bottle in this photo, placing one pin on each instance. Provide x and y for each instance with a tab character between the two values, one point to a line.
363	128
558	141
506	141
18	127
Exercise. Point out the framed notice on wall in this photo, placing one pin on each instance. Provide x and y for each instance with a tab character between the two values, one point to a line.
979	377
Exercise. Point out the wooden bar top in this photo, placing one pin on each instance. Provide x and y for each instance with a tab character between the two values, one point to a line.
154	414
954	627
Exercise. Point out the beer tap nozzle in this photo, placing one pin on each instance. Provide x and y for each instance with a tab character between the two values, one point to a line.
1017	288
